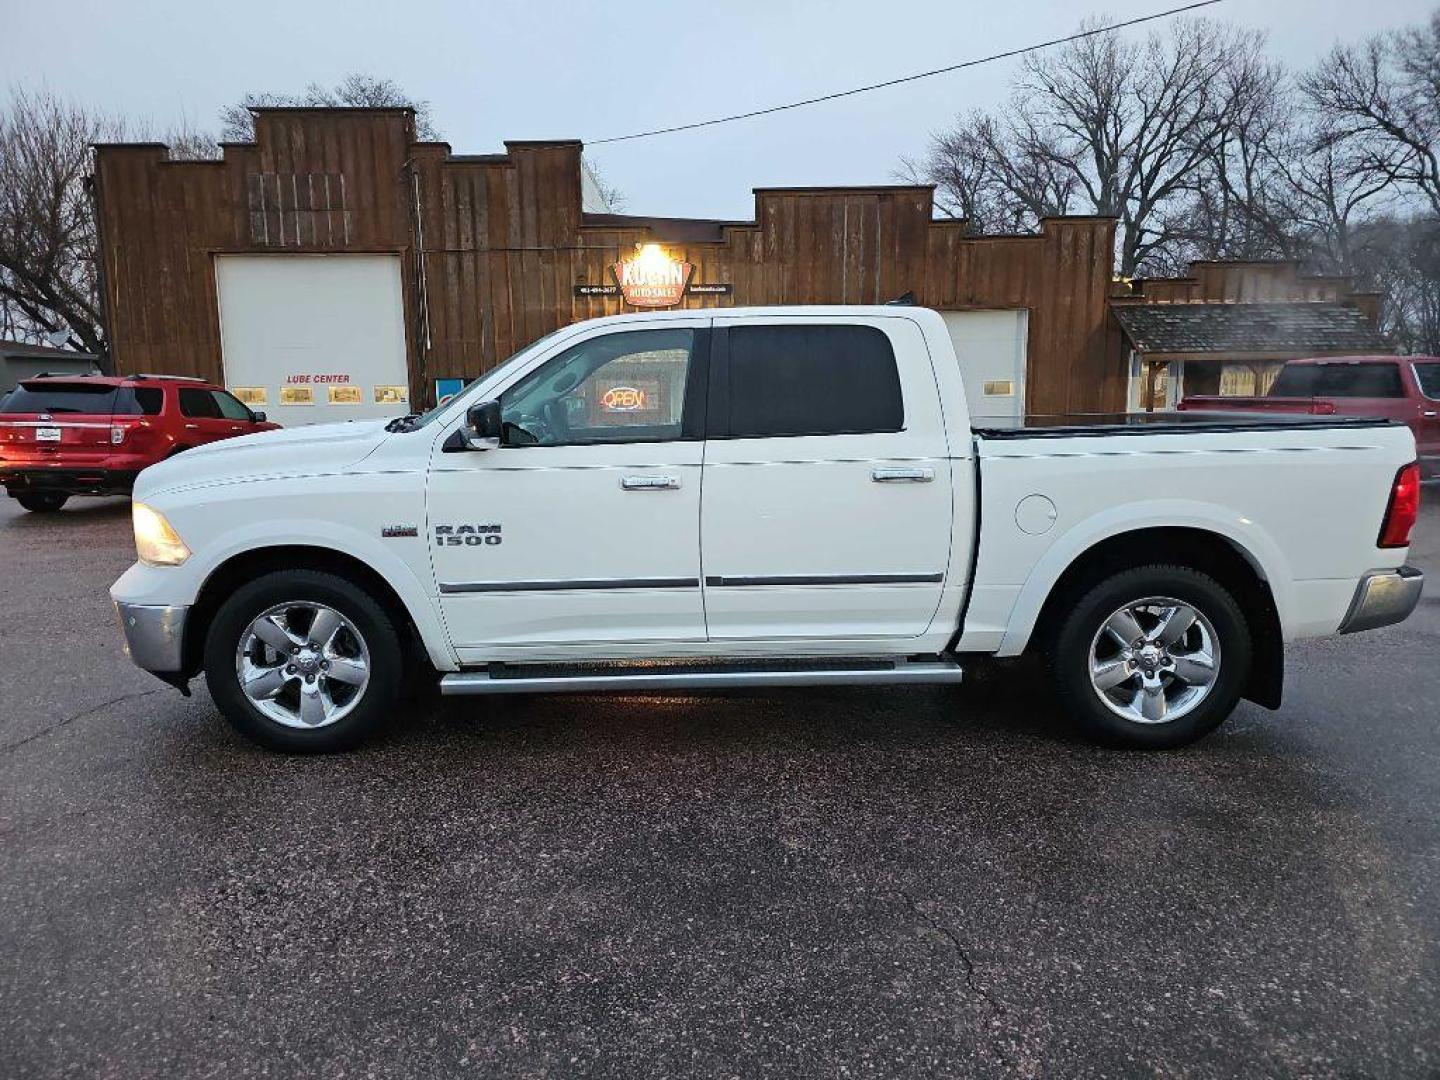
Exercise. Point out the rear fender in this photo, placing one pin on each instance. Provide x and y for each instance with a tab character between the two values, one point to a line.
1248	539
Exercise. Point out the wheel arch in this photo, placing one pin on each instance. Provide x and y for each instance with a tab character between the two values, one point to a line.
251	563
1210	552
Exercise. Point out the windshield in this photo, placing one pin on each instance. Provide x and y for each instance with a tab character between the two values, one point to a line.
415	423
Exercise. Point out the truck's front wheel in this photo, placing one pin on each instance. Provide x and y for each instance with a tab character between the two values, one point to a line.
303	661
1152	658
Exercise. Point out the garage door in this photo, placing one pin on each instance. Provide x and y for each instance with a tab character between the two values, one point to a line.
313	338
991	348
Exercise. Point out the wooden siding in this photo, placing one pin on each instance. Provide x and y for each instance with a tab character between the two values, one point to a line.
1244	283
492	247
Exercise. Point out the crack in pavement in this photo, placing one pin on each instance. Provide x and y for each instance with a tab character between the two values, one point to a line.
6	748
969	965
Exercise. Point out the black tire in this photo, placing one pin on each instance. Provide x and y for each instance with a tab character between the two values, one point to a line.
1080	629
299	587
42	502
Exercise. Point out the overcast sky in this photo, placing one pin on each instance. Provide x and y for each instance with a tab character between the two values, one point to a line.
526	70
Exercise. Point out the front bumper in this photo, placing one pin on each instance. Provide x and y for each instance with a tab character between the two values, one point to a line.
18	479
1383	597
154	635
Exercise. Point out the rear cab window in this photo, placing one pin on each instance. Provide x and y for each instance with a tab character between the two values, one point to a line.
1340	380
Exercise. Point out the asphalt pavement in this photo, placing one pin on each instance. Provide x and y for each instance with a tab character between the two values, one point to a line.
925	882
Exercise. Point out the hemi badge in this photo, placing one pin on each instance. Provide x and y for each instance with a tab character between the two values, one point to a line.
389	531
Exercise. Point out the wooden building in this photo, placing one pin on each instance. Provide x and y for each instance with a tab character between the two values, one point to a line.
1228	328
336	235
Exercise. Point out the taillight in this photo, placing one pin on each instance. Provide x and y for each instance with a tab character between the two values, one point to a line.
127	431
1403	509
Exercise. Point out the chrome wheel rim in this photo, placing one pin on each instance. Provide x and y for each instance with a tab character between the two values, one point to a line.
303	664
1154	660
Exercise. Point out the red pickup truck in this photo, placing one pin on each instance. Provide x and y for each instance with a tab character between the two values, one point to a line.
1405	388
90	435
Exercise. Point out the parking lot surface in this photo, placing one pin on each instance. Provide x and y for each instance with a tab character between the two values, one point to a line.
901	882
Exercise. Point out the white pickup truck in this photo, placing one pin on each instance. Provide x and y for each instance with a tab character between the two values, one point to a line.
760	497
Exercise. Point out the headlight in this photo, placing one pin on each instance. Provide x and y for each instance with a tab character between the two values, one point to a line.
155	541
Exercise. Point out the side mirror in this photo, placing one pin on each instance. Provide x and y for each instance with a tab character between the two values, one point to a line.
483	426
257	417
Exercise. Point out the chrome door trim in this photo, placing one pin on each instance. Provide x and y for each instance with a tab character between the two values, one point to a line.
451	588
730	580
52	423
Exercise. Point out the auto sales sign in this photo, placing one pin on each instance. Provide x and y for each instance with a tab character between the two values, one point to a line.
652	280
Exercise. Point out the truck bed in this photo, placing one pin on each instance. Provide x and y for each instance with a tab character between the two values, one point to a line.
1065	425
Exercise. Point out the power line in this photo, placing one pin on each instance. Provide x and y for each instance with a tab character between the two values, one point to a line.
907	78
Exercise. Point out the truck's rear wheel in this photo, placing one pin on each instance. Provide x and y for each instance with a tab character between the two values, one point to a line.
1152	658
42	502
303	661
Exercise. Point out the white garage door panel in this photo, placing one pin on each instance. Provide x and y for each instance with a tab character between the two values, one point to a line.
991	349
316	322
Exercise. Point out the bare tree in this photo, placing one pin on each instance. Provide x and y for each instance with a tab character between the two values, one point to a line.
994	177
1379	102
49	282
611	197
1237	204
1104	125
355	90
48	278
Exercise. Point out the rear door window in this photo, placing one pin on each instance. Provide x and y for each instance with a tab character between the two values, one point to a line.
139	401
1340	381
811	380
58	399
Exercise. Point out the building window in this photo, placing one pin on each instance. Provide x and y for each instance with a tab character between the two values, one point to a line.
1153	386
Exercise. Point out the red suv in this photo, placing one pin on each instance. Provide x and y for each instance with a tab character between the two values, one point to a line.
63	435
1404	388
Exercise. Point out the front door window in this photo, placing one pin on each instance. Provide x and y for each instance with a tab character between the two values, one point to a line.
626	387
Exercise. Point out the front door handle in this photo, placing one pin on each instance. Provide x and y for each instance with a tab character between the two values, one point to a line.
1430	414
902	476
649	483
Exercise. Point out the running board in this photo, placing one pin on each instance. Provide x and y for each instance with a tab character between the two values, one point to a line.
502	679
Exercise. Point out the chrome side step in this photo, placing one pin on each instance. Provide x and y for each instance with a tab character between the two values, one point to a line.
513	680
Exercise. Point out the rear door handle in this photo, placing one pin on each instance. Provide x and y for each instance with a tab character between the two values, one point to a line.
192	427
902	476
649	483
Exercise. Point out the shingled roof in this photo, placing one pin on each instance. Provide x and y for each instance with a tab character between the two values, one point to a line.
1301	328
